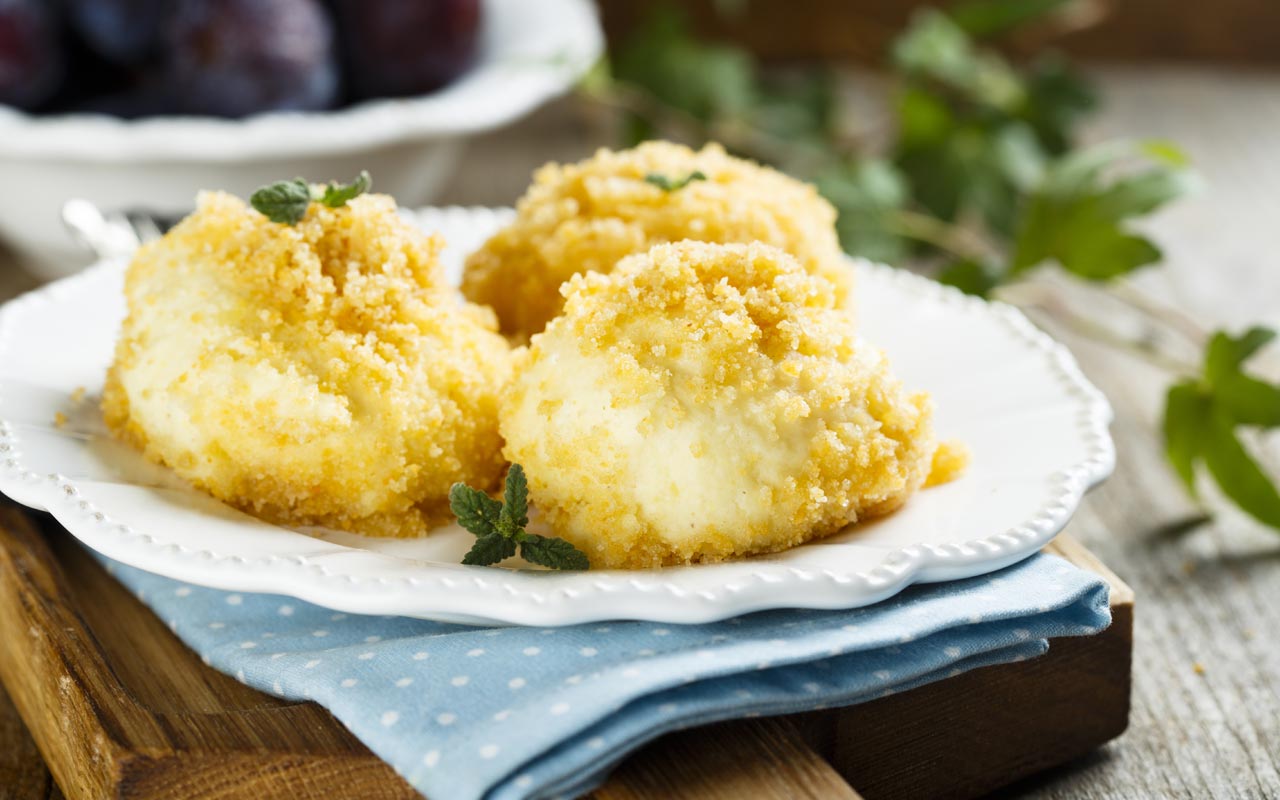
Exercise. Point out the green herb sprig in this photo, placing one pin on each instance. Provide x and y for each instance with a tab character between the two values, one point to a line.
499	527
1202	416
670	185
286	202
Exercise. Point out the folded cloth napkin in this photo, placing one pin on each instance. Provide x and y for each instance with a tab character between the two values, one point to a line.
464	712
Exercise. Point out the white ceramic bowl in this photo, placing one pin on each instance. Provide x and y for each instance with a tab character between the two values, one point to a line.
529	53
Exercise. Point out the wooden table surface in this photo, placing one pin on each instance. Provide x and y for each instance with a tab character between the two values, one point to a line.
1206	696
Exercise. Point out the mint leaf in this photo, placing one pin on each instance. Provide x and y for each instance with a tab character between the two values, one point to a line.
490	549
1077	214
669	185
284	202
1186	408
337	195
1249	401
1202	414
1057	98
1237	474
1226	353
554	553
1245	399
475	510
515	507
500	527
934	49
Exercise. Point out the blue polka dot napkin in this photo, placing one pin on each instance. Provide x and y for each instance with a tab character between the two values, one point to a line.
507	713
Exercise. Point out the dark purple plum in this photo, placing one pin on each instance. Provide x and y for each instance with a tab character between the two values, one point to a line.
232	58
396	48
124	31
32	61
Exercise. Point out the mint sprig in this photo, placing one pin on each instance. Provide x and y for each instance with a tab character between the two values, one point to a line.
286	202
499	527
336	195
669	184
1201	417
283	201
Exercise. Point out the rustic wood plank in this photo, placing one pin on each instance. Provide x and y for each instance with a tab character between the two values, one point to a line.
115	719
23	775
762	759
977	732
1209	592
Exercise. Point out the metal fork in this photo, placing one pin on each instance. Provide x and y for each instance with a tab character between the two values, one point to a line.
117	233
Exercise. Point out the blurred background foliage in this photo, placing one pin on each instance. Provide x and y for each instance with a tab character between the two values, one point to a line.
974	173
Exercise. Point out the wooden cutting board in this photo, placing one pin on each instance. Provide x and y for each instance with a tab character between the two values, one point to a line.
114	705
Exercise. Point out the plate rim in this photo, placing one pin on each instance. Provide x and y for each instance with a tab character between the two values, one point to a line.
468	593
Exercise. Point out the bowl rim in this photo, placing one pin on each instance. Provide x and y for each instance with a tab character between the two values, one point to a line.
529	53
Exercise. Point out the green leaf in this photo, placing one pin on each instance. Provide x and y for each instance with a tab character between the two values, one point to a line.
924	119
971	277
1248	401
553	553
475	510
994	17
864	195
982	167
798	107
337	195
1077	214
1057	98
1018	156
285	202
515	505
1226	353
1141	194
935	49
704	80
1245	399
1165	151
669	185
490	549
1237	474
1185	410
500	527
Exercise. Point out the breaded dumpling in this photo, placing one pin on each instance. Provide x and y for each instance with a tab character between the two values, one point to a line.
708	401
587	216
316	374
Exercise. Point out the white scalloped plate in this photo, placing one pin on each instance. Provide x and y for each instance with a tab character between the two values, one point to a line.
1037	429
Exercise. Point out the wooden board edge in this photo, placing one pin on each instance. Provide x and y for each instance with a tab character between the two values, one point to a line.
56	690
1069	548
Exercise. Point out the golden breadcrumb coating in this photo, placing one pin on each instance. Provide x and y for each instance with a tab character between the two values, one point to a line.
586	216
708	401
315	374
949	462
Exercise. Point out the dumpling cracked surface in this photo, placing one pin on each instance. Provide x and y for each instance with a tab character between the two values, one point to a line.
704	402
586	216
316	374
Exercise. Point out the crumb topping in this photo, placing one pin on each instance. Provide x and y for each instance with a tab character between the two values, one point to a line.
585	217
